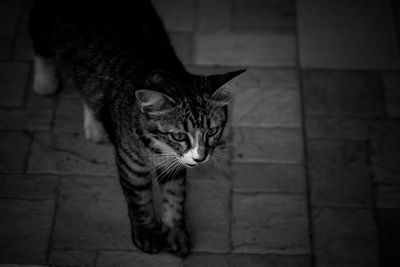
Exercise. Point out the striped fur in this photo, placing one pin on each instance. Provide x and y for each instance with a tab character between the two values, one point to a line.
160	118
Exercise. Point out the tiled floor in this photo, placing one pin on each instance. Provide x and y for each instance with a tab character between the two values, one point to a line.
312	177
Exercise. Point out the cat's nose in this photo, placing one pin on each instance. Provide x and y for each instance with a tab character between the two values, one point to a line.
201	159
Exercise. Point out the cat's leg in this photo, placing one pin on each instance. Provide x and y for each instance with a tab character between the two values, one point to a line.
45	79
93	127
136	185
173	217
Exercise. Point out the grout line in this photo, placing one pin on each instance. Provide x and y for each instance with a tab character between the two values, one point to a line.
57	203
374	197
27	86
305	144
96	257
231	191
28	154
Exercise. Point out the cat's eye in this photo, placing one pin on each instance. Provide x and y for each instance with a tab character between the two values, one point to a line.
178	136
213	131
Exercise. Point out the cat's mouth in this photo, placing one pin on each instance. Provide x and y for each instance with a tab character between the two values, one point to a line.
190	165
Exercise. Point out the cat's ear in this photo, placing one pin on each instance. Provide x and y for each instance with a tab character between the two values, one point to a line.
220	96
153	102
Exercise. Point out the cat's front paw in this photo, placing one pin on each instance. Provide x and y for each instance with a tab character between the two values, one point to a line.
148	240
178	241
94	131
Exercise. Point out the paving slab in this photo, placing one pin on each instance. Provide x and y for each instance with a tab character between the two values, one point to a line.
82	258
388	196
254	260
270	223
269	108
177	15
183	46
263	16
273	145
213	16
13	79
339	173
268	177
25	119
29	186
5	47
14	149
9	14
212	49
125	258
23	49
208	223
354	128
69	115
347	34
345	237
25	230
385	158
69	153
352	93
92	214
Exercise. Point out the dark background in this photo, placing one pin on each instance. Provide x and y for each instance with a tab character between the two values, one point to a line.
312	176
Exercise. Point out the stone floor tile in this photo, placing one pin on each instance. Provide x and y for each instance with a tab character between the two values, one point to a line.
23	49
213	15
66	153
388	221
208	223
177	15
25	16
126	258
217	260
266	78
388	196
263	16
343	93
9	14
92	215
69	116
14	149
5	47
29	186
392	93
356	128
13	79
339	173
34	100
183	46
249	49
270	223
347	34
82	258
24	229
25	119
267	177
345	237
385	158
269	108
275	145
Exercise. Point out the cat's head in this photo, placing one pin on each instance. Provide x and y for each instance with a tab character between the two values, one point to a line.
185	117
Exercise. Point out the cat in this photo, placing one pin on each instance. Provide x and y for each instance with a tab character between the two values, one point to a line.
160	118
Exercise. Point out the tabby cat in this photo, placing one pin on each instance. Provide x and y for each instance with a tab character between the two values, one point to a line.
160	118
